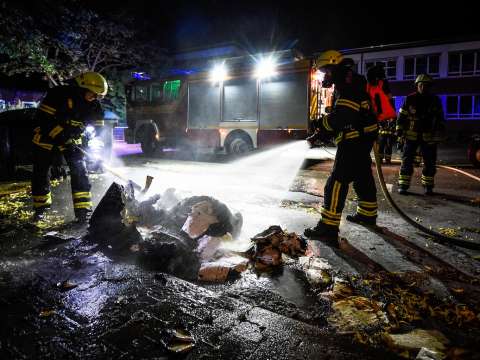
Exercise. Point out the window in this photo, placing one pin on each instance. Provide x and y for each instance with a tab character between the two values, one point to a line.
423	64
390	66
476	104
466	105
409	68
452	105
156	92
141	93
463	106
464	63
171	89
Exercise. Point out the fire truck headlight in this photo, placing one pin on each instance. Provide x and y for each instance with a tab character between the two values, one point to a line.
266	68
218	73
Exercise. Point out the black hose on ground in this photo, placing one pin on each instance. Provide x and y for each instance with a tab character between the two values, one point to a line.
436	237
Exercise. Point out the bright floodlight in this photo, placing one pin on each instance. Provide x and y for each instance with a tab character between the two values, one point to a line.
218	73
318	76
266	68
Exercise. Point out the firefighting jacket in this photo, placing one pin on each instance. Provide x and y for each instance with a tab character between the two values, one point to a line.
421	118
351	117
381	103
62	117
386	127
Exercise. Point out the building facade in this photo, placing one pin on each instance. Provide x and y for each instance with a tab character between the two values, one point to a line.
454	66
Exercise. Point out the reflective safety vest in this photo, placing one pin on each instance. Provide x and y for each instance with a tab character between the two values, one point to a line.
380	102
62	117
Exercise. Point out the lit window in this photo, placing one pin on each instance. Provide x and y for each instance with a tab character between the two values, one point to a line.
476	105
171	90
463	107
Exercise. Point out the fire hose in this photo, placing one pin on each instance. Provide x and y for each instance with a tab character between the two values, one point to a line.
143	190
436	237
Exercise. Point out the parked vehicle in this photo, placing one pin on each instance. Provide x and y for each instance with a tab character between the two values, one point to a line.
16	129
235	105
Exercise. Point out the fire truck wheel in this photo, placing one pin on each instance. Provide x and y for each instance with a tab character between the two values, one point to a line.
239	144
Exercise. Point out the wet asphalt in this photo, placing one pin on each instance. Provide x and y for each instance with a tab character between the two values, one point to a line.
117	309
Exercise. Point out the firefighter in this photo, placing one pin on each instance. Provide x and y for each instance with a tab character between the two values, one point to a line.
63	114
384	109
421	124
354	128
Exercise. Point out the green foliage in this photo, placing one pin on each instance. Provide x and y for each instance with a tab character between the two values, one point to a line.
116	99
63	38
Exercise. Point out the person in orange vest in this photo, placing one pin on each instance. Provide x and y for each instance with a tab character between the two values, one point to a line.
384	109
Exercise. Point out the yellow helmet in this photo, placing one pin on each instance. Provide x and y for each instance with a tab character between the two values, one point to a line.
423	78
329	57
94	82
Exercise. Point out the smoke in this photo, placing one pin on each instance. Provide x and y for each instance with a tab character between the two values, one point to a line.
254	185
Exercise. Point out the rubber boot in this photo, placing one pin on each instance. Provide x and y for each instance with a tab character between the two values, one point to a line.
325	233
362	220
82	216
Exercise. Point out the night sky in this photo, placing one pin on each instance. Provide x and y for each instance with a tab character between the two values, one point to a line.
308	26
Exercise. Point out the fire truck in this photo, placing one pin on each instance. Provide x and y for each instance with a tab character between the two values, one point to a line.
232	105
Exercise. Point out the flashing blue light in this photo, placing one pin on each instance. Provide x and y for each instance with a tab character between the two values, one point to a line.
110	115
183	71
140	75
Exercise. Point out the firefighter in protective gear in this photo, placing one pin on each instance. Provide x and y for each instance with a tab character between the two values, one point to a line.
63	115
421	124
384	108
354	128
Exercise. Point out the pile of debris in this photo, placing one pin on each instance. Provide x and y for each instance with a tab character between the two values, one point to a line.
185	237
269	246
388	310
163	233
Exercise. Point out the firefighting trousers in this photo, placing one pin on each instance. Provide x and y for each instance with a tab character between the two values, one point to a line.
352	164
385	146
386	139
42	162
429	155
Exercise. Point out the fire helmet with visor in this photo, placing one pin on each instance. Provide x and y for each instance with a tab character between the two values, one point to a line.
94	82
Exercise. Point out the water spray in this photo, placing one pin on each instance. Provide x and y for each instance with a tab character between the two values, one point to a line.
143	190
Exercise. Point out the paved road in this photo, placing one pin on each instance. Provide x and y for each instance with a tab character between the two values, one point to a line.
121	310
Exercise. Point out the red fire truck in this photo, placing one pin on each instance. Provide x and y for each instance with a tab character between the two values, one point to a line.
234	105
